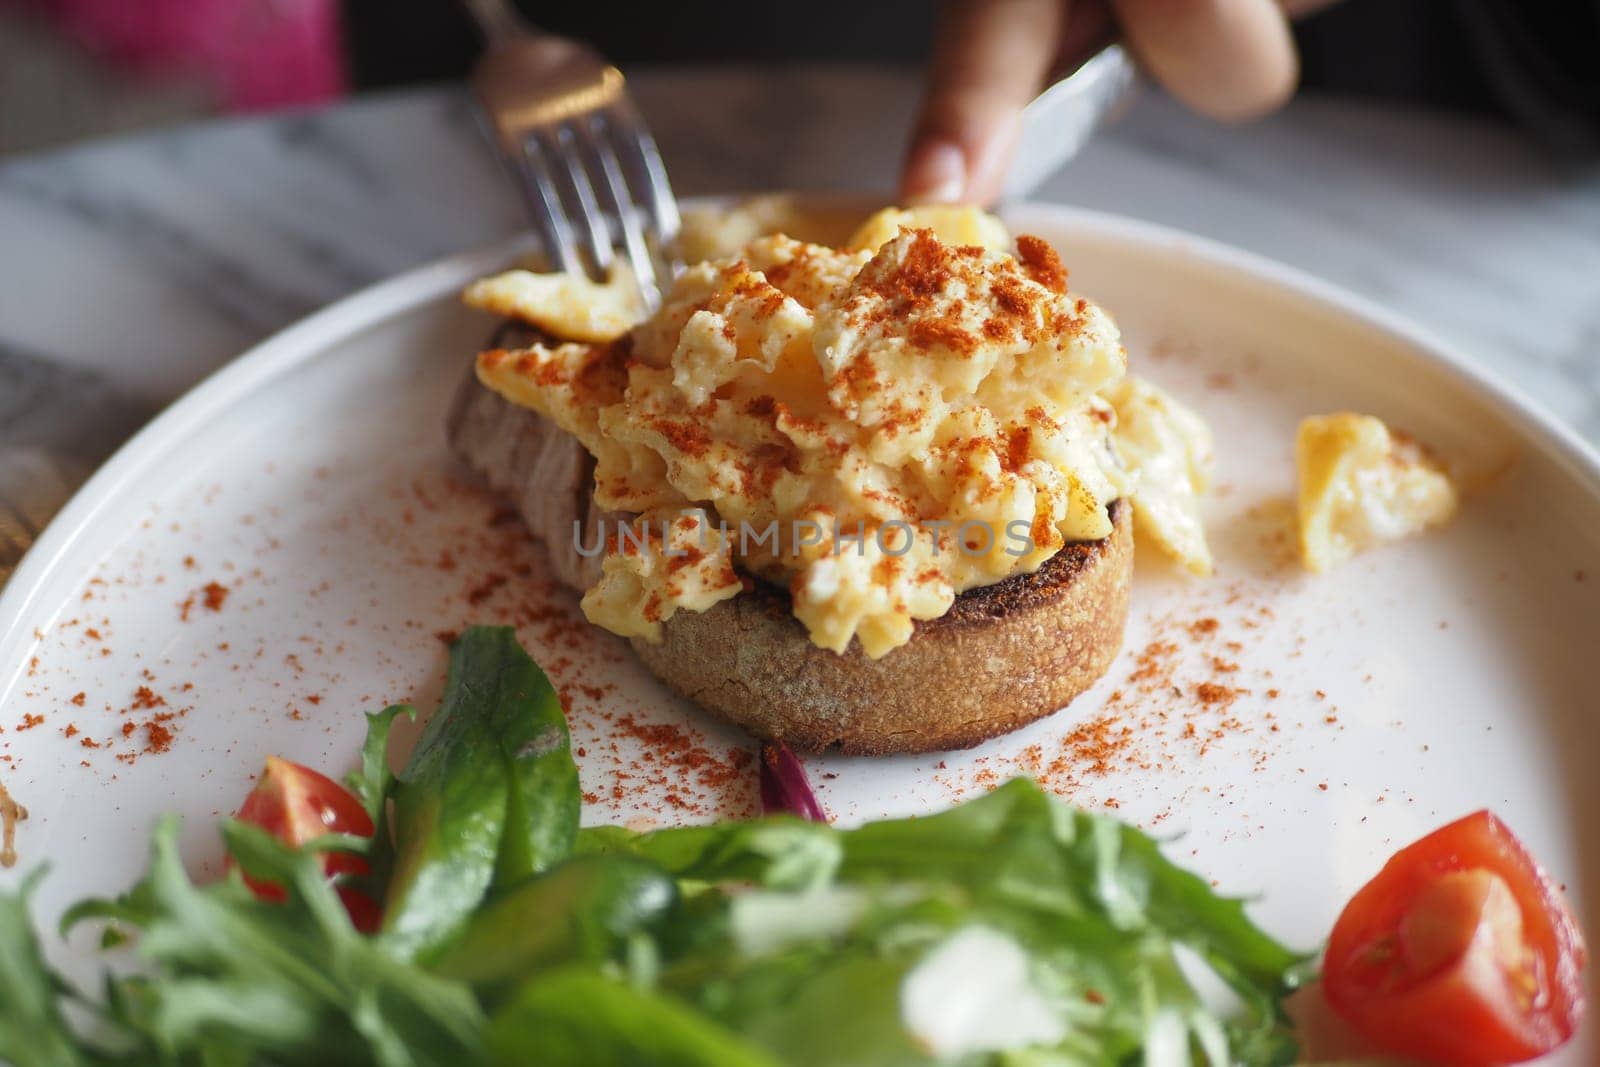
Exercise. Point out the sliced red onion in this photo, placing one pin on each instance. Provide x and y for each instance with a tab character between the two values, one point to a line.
784	786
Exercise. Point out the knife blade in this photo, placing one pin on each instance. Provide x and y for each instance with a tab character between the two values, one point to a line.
1059	122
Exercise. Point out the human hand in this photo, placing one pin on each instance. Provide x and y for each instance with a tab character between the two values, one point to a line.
1226	59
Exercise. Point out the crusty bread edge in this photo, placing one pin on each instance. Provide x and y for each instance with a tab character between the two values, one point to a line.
1005	655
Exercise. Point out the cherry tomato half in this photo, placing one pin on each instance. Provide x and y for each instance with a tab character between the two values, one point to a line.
1459	952
297	804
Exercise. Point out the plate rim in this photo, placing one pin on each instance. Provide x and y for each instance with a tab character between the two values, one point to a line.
373	304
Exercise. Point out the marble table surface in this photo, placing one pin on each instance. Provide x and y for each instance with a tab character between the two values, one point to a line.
130	268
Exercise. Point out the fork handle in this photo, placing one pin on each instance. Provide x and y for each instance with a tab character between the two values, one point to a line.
499	20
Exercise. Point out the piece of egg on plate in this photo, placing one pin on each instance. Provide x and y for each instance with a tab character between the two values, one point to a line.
1362	485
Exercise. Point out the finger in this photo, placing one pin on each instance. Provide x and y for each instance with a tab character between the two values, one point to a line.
1089	28
1299	9
989	59
1228	59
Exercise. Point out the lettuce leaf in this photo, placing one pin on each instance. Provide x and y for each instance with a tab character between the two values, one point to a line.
581	1018
33	1029
1103	916
489	797
1011	931
252	981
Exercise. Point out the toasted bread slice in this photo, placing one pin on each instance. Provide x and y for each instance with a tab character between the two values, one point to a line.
1003	656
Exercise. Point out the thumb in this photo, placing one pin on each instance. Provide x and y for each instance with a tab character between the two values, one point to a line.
989	59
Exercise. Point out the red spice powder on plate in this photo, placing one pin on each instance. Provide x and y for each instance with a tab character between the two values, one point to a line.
1177	699
145	698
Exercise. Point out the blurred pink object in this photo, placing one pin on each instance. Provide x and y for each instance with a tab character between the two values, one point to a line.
256	54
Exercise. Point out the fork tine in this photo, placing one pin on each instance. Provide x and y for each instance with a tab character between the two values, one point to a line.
642	160
544	207
626	212
581	152
576	171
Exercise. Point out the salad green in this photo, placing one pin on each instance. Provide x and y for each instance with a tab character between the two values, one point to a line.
1012	930
489	797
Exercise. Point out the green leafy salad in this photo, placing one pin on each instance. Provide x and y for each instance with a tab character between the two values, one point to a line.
469	920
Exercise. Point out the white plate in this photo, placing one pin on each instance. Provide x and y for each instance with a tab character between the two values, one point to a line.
1348	714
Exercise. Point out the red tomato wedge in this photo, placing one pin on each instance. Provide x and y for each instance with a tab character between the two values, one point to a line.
1459	952
297	804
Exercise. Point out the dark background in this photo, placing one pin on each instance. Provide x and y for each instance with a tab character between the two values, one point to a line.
1533	63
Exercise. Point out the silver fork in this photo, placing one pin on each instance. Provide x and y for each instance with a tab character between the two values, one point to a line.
575	145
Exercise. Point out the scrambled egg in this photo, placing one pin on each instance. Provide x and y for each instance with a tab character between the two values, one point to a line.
645	577
716	232
563	305
1361	485
878	429
719	232
1167	448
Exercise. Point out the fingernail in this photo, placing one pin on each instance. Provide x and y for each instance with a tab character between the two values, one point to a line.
939	176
